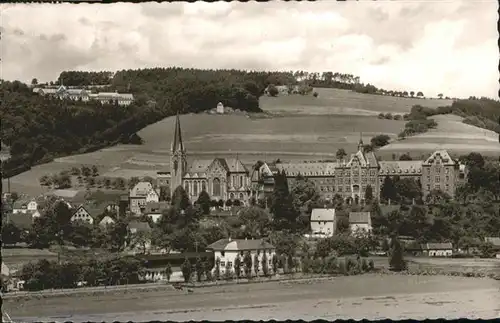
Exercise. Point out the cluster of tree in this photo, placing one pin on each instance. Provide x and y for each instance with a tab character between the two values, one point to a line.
333	265
302	88
346	243
54	226
55	275
472	216
38	128
480	112
80	78
390	116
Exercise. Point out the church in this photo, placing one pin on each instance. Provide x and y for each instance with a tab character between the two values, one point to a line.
230	179
222	178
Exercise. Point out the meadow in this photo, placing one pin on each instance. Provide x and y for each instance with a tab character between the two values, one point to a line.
292	127
450	134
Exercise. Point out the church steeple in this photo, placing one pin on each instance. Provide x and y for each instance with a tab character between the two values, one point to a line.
177	144
360	143
178	160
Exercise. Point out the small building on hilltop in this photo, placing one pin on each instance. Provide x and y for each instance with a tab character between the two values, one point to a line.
323	222
360	221
220	108
227	250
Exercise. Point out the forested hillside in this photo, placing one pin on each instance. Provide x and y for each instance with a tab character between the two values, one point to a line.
38	128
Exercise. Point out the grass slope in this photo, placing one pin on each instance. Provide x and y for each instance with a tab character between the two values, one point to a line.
293	127
451	134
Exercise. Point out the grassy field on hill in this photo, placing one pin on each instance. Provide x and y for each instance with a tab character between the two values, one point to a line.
335	101
295	128
451	134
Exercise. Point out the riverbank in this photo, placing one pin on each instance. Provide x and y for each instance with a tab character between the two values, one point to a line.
340	297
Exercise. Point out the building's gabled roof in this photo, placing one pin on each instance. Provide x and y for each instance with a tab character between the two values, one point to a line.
239	245
139	226
223	163
141	189
156	207
437	246
20	204
235	165
199	165
323	215
5	270
443	156
107	219
359	218
23	221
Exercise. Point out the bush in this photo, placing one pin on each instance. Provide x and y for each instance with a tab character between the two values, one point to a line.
315	94
371	265
381	116
343	267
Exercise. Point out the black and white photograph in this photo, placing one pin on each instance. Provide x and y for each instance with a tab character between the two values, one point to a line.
175	161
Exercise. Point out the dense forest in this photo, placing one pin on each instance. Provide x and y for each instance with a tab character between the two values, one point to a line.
38	128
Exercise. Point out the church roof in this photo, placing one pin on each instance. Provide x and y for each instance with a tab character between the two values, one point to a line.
177	144
443	155
199	165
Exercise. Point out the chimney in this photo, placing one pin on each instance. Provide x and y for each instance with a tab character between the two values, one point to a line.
389	201
230	239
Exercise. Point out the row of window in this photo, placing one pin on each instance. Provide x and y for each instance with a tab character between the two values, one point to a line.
438	179
438	187
230	263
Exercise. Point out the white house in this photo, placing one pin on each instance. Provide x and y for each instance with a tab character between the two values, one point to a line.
107	220
360	221
438	249
226	250
323	222
81	214
24	206
138	196
153	196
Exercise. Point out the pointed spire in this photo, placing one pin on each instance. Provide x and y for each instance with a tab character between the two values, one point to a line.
360	143
177	144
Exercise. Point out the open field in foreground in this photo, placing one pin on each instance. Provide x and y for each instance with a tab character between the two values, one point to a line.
368	296
335	101
450	134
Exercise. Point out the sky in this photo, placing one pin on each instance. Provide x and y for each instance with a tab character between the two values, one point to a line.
438	46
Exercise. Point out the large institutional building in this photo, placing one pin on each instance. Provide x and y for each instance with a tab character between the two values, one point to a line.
225	179
81	94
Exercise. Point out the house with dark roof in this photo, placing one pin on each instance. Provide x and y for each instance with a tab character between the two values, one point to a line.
227	250
323	222
88	212
155	210
444	249
107	220
24	221
360	221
